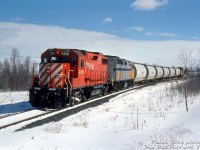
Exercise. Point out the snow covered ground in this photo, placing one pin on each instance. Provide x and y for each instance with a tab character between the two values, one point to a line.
13	102
149	118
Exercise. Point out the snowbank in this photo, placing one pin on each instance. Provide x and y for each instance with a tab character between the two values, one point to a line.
150	118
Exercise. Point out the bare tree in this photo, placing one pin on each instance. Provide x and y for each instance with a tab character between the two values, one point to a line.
16	73
6	75
14	63
27	70
185	58
1	66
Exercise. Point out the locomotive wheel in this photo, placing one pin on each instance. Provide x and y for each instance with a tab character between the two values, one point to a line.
57	102
84	99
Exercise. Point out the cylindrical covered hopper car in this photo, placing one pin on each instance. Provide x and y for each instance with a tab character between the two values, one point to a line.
140	72
160	72
152	72
166	72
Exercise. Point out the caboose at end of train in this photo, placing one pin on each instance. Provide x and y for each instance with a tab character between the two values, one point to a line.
66	75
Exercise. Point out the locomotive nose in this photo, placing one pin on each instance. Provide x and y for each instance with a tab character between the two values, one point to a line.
53	75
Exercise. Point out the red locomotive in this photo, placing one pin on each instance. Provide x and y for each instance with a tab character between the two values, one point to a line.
67	73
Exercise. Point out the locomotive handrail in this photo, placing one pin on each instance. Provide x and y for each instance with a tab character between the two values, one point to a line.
66	83
68	74
69	96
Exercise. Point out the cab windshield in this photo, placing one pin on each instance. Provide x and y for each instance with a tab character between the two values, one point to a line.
54	59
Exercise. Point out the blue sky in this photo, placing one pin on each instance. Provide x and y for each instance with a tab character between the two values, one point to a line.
161	20
145	31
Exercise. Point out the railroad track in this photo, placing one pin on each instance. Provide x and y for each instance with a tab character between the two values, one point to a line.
57	115
24	120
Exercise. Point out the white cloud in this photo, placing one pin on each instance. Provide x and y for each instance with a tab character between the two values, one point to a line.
148	4
34	39
137	28
171	35
194	38
168	35
107	20
18	19
149	33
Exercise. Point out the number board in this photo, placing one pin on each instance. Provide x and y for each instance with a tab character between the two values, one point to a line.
65	52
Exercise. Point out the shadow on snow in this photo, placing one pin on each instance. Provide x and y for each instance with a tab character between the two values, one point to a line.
14	108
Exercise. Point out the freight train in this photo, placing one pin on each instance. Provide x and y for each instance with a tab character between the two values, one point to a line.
67	76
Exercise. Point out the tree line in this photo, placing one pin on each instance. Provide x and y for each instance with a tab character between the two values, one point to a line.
190	61
15	73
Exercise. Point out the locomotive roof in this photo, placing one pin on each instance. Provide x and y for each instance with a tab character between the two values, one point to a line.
111	56
78	52
84	52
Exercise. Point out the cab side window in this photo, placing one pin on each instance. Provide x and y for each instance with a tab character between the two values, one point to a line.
82	63
74	61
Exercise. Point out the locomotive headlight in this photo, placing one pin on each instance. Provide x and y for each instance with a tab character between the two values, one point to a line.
36	88
52	89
